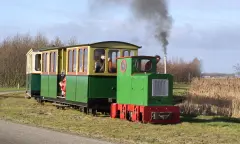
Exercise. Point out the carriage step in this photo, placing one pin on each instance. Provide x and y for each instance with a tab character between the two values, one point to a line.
61	97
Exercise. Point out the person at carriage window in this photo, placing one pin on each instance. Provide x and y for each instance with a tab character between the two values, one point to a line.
100	64
111	68
149	63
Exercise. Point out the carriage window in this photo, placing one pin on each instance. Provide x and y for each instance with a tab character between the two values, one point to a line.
70	55
99	58
125	53
44	62
74	61
85	59
112	59
38	62
132	53
143	65
128	53
52	62
80	60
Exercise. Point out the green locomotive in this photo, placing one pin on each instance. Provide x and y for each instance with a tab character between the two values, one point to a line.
106	76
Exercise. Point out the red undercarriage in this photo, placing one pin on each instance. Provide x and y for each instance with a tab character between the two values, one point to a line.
146	114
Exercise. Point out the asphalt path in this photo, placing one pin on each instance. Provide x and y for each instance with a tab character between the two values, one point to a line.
12	133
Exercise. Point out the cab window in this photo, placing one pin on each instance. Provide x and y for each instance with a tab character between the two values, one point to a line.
143	65
99	59
112	60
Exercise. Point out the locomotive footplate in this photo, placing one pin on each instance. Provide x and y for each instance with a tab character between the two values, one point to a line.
161	115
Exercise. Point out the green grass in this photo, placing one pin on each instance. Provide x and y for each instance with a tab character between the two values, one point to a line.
2	89
180	92
192	130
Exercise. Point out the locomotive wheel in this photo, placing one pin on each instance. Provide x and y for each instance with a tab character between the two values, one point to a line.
81	109
85	110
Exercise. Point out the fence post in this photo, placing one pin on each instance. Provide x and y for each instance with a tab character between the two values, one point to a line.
18	86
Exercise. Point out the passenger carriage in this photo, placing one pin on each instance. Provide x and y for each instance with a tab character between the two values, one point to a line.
86	87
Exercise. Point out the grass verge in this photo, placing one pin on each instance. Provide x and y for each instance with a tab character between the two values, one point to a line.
194	130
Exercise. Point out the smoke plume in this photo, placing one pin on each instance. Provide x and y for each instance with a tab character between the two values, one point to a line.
155	12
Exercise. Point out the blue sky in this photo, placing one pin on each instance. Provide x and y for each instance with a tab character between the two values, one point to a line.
209	30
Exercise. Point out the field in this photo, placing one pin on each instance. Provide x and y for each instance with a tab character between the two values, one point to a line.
213	97
196	130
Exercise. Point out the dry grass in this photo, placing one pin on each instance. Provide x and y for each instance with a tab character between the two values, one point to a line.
2	89
213	97
196	130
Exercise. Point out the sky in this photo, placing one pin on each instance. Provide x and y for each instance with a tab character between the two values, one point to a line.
208	30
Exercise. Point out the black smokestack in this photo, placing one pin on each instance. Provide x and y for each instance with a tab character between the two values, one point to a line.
155	12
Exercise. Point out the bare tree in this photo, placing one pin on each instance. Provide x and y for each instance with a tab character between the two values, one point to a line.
237	68
72	41
13	59
57	42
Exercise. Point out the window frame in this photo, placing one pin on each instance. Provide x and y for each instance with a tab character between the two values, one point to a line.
77	49
83	60
106	72
117	56
130	51
35	59
45	66
55	65
106	50
67	62
138	70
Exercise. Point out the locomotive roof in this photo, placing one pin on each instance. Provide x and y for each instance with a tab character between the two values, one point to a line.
102	44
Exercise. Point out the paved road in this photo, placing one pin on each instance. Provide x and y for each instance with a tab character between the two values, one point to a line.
12	133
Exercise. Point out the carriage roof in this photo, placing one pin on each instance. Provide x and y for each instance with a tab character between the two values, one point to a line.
102	44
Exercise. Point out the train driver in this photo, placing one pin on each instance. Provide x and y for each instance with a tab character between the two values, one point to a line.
149	63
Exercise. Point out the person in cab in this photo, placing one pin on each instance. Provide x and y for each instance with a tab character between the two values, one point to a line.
148	65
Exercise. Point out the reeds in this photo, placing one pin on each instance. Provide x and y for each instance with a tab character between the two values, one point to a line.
218	96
